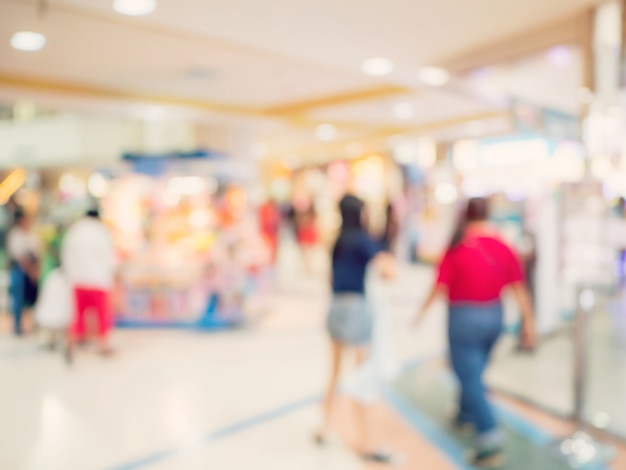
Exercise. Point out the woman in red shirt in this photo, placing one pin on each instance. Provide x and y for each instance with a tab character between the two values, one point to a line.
472	275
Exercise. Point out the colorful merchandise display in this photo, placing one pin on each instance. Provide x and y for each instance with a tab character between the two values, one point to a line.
190	251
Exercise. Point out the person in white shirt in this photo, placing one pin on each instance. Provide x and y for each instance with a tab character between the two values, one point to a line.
88	260
23	251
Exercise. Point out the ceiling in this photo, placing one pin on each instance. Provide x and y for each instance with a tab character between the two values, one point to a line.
286	66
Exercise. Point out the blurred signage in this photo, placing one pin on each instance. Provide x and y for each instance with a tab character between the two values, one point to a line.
531	119
586	241
159	164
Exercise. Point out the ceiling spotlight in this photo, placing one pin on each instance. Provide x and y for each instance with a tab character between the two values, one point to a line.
134	7
377	66
434	76
403	111
326	132
28	41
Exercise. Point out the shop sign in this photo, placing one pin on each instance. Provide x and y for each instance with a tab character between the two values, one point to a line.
531	119
159	164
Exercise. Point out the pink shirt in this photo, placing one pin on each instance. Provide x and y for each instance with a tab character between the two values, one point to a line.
478	269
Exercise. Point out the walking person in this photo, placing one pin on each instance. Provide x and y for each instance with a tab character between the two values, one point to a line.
306	232
89	262
476	268
349	321
269	222
392	229
24	253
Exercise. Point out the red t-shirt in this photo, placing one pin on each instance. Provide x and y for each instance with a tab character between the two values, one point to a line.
478	269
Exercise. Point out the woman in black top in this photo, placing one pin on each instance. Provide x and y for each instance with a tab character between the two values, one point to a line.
349	321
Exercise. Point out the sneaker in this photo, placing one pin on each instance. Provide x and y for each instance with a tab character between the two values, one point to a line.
106	352
491	458
68	354
465	428
320	439
383	458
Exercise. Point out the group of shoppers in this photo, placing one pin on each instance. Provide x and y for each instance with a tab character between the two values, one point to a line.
475	270
88	266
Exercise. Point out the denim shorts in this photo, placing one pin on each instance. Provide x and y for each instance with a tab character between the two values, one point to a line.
349	320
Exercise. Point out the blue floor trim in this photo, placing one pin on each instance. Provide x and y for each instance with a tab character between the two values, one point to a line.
539	437
218	434
536	435
449	446
428	428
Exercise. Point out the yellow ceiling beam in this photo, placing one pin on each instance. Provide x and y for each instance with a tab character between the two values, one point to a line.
93	91
299	108
376	134
293	111
145	26
565	30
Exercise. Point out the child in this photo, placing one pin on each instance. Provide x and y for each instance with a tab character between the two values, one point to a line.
55	306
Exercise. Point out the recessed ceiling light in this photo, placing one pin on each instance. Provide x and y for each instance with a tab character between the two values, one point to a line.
434	76
326	132
377	66
403	111
134	7
28	41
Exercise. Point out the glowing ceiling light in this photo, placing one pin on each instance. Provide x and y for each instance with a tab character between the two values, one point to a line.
28	41
326	132
377	66
134	7
433	76
403	111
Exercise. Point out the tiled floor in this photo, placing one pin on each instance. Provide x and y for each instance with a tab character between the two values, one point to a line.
186	400
552	366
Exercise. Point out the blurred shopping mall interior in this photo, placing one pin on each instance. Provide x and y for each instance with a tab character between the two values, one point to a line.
214	140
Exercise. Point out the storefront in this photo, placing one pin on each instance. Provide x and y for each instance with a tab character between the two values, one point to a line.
375	178
186	234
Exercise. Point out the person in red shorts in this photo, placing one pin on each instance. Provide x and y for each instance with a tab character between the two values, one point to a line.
477	267
306	233
269	221
88	260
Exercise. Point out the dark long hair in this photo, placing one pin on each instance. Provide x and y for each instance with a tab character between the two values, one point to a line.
477	210
351	210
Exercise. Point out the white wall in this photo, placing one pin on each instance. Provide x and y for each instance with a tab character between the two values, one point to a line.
73	139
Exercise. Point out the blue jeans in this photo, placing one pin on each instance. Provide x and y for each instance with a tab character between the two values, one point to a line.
18	296
473	330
